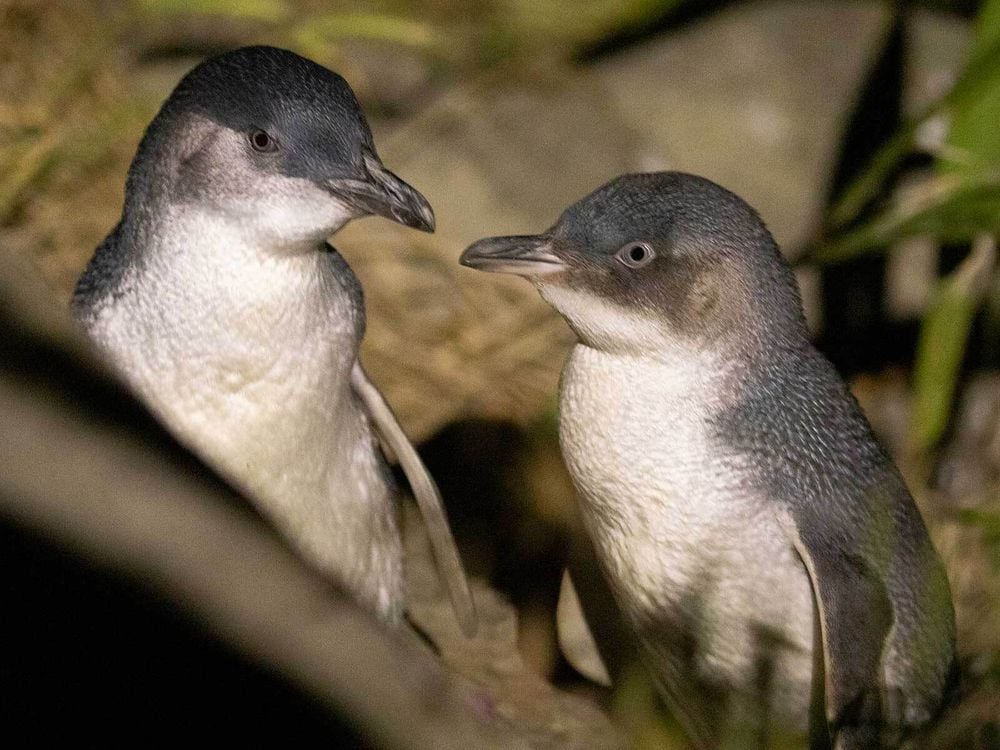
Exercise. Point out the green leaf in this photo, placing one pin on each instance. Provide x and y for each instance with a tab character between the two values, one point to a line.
581	21
333	27
951	210
972	152
974	137
257	10
987	33
942	342
972	106
872	179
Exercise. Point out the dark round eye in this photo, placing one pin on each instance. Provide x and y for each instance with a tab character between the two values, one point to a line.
636	254
262	142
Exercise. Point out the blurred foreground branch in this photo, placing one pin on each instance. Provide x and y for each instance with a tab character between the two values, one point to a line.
86	470
142	589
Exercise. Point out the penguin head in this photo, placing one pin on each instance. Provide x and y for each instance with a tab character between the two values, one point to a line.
651	260
274	142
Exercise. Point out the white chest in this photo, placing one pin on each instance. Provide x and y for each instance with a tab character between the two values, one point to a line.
636	439
247	357
672	512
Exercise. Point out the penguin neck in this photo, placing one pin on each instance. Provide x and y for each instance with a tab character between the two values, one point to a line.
708	373
208	263
205	311
685	373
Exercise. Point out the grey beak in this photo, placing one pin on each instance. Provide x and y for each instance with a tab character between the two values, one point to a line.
524	255
382	193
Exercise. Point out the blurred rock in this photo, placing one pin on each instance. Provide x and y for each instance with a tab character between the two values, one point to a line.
938	47
529	708
911	277
394	77
145	597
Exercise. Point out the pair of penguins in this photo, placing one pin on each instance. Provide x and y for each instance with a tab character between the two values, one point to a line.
742	511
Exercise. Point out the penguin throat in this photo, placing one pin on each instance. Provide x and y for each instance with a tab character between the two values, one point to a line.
203	309
608	327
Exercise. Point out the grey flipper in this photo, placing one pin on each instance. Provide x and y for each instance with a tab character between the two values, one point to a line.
428	499
852	521
854	616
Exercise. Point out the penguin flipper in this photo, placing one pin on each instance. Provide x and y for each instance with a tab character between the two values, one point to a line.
428	498
854	615
573	634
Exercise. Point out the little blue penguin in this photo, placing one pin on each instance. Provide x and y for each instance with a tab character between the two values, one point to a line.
760	543
220	302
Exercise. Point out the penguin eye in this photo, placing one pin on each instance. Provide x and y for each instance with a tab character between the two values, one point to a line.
635	254
262	142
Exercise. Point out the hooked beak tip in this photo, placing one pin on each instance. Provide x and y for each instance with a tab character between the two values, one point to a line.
401	201
422	217
469	258
407	207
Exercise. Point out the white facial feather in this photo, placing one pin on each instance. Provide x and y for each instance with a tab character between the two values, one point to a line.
602	323
269	209
292	212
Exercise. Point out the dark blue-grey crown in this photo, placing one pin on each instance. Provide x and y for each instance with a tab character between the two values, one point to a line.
257	86
659	204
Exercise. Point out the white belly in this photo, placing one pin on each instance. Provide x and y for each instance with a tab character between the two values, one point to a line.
682	534
253	372
312	466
